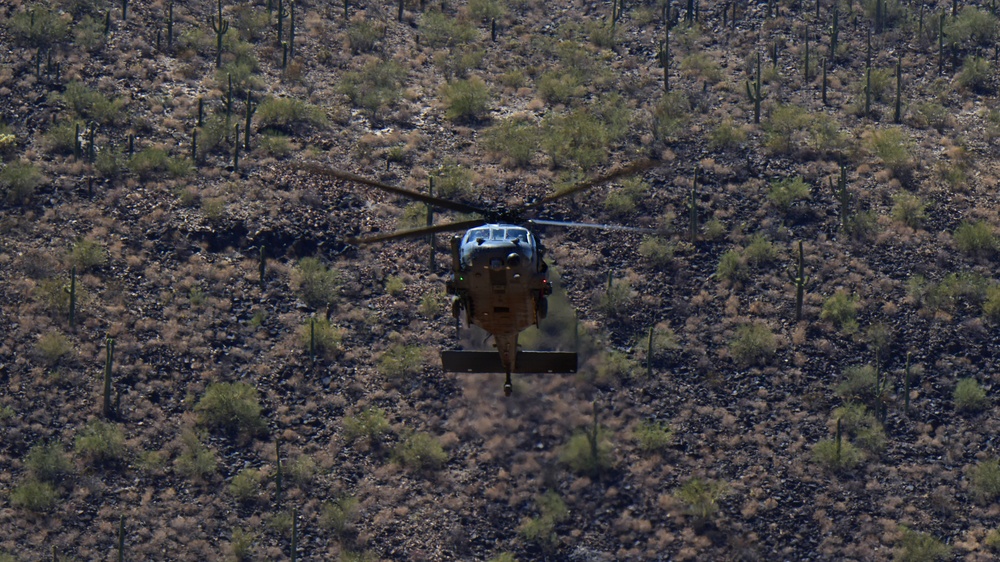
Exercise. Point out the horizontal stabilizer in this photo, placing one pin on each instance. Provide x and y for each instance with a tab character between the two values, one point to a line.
527	362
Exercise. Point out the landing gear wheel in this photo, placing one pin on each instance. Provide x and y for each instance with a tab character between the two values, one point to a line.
507	386
456	308
543	308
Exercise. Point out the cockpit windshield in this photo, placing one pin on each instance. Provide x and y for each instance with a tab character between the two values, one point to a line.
497	236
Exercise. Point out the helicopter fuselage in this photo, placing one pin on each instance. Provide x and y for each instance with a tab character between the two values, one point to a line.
499	281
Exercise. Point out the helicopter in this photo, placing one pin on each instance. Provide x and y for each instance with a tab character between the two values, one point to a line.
499	278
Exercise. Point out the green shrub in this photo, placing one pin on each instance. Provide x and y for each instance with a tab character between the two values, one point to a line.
324	335
317	284
87	254
991	306
984	481
196	460
616	297
786	192
602	34
732	267
973	27
48	463
364	36
726	135
376	87
671	115
579	138
964	287
589	452
514	139
930	114
861	425
702	64
784	127
753	344
909	209
101	443
560	86
52	347
862	226
232	408
421	452
61	137
18	181
970	396
487	10
652	436
836	458
440	30
34	495
759	251
701	497
658	251
401	360
452	181
541	529
241	544
842	310
859	383
976	74
340	515
975	239
992	540
892	146
275	144
149	162
371	424
466	100
915	546
888	12
91	105
245	486
38	26
289	114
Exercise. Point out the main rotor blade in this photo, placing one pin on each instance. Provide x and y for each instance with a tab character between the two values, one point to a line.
416	232
615	227
423	198
625	171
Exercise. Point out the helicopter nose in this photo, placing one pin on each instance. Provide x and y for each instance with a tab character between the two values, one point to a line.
514	260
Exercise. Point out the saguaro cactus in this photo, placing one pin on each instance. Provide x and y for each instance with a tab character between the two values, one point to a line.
251	108
109	343
800	281
693	209
755	94
72	298
220	27
843	197
897	115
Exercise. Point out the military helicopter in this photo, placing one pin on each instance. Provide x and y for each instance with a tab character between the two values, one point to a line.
498	273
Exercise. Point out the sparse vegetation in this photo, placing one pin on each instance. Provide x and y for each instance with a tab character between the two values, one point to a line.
232	408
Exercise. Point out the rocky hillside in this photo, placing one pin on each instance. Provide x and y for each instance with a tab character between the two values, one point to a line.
799	365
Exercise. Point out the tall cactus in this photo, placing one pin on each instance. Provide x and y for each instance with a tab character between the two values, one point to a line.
755	94
72	298
251	108
121	538
843	197
800	280
897	115
220	27
106	409
693	208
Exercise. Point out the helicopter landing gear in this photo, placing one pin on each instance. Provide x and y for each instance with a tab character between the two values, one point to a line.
543	308
507	386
